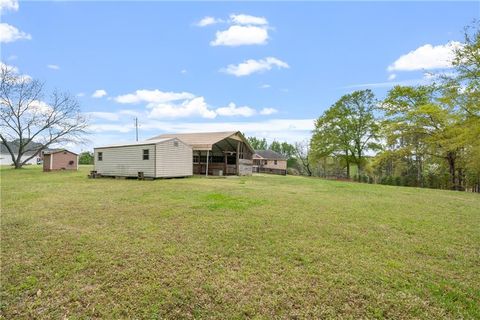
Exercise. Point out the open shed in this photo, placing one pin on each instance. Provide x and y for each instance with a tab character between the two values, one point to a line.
217	153
156	158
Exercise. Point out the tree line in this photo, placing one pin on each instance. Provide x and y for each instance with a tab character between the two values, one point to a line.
422	136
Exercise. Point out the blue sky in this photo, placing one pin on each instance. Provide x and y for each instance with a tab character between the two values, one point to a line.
267	69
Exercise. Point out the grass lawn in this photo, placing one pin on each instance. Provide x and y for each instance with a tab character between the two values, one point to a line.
253	247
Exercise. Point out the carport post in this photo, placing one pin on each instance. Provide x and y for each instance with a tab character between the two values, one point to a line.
206	171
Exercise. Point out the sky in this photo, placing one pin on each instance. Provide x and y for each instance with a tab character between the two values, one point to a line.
267	69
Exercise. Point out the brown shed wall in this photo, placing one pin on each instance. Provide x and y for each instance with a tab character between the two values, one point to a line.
62	160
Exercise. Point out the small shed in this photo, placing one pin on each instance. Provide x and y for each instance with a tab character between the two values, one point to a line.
59	159
159	158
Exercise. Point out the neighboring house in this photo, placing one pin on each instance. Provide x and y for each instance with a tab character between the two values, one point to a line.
6	158
59	159
217	153
269	161
156	158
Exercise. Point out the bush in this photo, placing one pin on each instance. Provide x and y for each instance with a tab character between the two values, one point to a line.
398	181
293	172
85	158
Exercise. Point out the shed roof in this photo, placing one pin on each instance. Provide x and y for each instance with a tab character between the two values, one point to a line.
52	151
136	143
205	140
270	154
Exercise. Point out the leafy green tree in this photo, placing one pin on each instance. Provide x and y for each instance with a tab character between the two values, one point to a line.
284	148
85	158
404	135
275	146
348	129
461	92
258	144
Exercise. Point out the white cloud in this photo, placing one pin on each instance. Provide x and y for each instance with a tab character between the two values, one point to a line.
172	105
99	93
265	86
240	35
233	110
153	96
207	21
53	66
251	66
268	111
188	108
81	94
9	33
39	107
392	77
9	67
130	113
21	77
8	5
426	57
183	71
105	127
246	19
110	116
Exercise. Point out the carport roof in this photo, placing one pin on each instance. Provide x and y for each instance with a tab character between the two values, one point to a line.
205	140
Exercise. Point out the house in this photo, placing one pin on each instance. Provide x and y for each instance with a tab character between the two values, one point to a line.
217	153
269	161
155	158
59	159
6	158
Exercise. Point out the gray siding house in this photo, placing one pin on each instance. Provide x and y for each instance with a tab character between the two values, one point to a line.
157	158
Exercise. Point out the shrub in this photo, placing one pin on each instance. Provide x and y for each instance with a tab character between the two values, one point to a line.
293	172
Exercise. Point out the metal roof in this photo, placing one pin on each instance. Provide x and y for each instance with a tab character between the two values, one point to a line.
136	143
205	140
52	151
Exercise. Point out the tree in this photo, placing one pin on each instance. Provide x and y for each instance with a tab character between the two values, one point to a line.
423	121
303	155
404	135
441	121
284	148
461	92
348	129
258	144
85	158
25	117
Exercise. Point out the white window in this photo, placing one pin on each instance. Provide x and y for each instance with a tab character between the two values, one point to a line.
100	156
146	154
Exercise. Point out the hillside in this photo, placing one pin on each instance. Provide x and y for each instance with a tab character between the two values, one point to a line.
259	246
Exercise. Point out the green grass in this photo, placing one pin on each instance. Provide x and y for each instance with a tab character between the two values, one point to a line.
253	247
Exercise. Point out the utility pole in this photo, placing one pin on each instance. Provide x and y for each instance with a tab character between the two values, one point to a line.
136	128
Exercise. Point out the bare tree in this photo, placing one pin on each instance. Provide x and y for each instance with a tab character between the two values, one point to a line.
302	153
29	124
